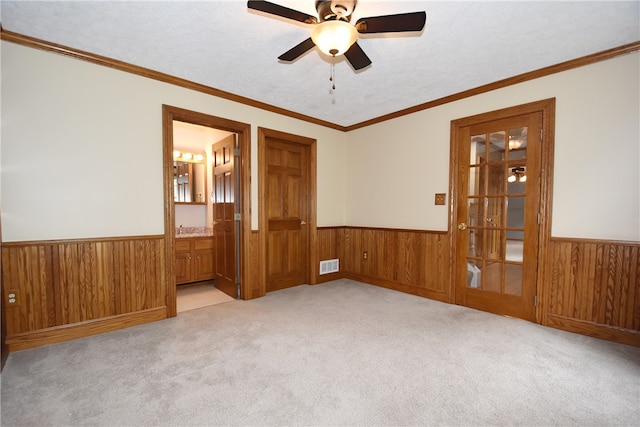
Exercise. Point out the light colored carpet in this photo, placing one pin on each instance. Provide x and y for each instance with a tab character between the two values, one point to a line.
340	353
198	296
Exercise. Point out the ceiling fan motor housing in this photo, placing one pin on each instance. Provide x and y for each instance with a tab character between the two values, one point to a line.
333	33
331	10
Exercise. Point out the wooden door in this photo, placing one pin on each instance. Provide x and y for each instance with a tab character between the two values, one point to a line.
286	206
497	208
224	197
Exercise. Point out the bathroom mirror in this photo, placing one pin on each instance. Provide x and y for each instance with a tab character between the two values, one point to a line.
189	180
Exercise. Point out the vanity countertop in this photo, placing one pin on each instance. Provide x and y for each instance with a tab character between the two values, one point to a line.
188	232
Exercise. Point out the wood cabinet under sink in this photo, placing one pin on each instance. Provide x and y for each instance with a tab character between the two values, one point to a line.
194	259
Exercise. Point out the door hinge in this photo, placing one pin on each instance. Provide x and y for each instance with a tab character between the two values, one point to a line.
236	152
539	218
237	217
541	134
535	300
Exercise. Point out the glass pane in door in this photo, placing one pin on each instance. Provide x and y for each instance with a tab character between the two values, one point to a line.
513	279
475	181
497	141
493	245
478	149
495	211
474	273
475	243
495	208
496	179
517	142
515	212
493	277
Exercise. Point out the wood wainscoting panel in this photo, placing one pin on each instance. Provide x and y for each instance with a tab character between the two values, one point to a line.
593	288
590	287
330	245
412	261
63	283
255	287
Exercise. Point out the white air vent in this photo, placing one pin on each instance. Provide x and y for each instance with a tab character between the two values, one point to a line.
329	266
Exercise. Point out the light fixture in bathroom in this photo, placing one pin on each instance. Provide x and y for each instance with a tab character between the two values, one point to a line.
185	156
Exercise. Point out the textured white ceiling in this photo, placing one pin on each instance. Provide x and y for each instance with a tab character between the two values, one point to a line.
224	45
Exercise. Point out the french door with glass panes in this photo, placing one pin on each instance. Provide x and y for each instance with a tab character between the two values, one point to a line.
498	214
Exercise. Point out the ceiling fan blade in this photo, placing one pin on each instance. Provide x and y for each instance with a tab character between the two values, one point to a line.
413	21
297	50
285	12
356	57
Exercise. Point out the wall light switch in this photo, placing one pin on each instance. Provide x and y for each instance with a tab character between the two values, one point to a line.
440	198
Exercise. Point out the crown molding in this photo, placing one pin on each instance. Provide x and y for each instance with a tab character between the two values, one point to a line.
166	78
155	75
536	74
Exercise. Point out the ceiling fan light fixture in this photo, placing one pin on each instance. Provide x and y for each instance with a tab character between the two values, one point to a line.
334	37
514	144
517	174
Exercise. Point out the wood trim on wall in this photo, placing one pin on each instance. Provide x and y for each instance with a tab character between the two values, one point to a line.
256	286
408	230
60	278
154	75
67	289
411	261
593	288
84	329
510	81
165	78
4	353
243	130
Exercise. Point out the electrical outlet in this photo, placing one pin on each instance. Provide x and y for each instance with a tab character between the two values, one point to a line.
440	198
365	255
12	297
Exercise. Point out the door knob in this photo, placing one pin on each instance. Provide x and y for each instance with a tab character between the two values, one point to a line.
303	222
462	226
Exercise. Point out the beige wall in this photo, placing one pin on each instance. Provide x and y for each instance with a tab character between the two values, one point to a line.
82	152
82	148
395	167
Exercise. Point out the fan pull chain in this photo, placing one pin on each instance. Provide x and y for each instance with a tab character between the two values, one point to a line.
332	75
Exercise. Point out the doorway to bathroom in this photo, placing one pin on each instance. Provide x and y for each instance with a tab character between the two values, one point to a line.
205	208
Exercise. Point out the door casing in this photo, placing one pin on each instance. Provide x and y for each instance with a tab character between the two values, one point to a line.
243	130
547	108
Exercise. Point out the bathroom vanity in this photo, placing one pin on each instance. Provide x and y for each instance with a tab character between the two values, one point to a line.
194	257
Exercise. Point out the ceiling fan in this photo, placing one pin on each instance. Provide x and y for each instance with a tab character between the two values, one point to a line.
334	34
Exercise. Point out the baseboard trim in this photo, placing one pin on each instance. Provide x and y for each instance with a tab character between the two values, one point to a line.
596	330
83	329
591	329
401	287
329	277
